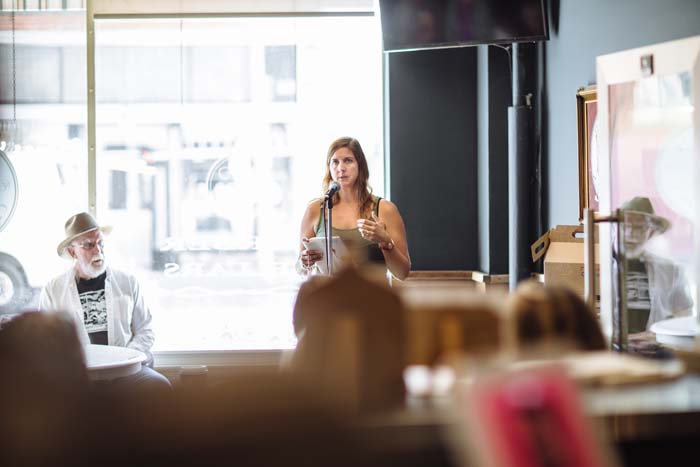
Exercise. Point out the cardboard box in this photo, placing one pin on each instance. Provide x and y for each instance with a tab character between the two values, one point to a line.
563	257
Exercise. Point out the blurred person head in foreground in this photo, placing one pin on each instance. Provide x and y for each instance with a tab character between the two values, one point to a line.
540	315
42	350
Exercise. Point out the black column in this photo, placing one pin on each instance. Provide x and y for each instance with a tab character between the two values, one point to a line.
494	100
522	159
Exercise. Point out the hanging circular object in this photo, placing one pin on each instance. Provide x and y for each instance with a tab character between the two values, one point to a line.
8	190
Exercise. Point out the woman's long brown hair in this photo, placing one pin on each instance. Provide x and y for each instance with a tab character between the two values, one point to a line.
364	191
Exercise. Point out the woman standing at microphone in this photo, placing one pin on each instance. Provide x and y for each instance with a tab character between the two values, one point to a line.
370	227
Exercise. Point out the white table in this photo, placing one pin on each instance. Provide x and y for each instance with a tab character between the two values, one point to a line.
105	362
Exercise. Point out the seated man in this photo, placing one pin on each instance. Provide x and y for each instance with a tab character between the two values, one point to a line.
106	304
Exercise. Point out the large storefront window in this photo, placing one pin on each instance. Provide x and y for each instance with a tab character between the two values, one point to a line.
211	138
210	141
42	134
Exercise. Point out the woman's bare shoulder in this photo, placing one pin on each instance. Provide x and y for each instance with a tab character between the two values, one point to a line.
314	206
387	207
313	210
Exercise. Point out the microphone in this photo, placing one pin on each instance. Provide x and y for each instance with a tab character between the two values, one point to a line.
333	188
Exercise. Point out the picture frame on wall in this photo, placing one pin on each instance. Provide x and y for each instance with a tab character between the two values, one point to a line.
586	113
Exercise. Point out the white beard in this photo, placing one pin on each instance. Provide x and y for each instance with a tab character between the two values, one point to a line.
90	270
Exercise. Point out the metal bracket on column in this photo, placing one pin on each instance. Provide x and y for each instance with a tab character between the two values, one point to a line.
590	218
618	315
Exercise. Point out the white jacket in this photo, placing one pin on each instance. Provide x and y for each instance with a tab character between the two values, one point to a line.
128	317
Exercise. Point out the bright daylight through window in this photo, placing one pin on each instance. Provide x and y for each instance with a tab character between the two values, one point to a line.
211	137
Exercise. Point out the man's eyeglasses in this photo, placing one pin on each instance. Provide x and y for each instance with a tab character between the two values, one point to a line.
90	245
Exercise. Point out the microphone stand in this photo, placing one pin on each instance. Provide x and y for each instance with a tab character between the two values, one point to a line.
328	202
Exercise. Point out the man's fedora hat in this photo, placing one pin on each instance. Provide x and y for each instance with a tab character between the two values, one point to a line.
76	226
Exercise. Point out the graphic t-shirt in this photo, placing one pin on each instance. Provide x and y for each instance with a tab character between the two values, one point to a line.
92	299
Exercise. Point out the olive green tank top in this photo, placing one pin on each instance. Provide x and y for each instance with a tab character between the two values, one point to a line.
360	248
